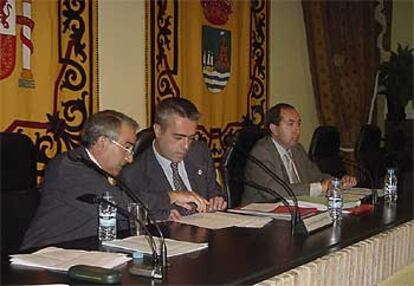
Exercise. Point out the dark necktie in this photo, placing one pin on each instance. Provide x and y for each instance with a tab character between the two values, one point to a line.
180	186
177	180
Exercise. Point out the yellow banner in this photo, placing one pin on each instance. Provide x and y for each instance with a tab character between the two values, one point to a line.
48	71
215	53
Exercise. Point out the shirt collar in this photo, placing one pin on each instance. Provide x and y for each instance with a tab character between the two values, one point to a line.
282	150
93	159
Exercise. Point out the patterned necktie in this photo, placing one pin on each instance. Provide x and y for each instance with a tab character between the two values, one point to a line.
291	168
177	180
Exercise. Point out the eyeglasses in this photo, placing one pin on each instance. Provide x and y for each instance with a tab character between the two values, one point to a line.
129	149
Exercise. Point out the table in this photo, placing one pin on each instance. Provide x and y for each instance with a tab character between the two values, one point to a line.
238	255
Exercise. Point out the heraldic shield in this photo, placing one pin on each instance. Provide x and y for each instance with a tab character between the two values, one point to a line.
7	37
215	58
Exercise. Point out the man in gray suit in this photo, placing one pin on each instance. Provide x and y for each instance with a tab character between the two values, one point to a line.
286	157
108	140
175	176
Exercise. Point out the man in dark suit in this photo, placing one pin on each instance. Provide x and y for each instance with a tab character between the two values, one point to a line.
175	176
108	139
286	157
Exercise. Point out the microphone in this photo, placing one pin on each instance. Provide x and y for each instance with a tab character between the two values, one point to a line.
161	261
95	199
367	173
298	227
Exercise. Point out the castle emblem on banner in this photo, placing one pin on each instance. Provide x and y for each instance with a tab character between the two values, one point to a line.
8	27
215	58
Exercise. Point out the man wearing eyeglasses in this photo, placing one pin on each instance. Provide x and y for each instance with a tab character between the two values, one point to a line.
175	176
107	143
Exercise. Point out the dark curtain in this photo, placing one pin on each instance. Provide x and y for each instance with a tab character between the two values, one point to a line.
344	58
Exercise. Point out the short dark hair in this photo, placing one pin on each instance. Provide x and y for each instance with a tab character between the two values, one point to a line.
273	114
177	106
105	123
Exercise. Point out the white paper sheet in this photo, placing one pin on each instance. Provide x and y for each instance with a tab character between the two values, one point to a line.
139	243
60	259
218	220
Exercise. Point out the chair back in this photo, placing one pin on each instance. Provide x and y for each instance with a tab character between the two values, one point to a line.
20	196
370	156
234	162
324	151
144	140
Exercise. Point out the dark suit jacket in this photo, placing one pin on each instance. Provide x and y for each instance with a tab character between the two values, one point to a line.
147	179
266	151
60	216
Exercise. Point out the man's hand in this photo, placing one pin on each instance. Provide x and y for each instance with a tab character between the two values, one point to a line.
217	204
348	182
174	215
185	198
326	185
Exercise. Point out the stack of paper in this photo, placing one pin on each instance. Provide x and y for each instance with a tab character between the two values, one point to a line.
321	202
218	220
140	243
60	259
273	210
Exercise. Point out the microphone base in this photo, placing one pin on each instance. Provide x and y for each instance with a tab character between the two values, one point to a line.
300	229
144	270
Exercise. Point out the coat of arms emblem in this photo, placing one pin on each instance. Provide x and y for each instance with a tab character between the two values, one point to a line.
8	31
216	58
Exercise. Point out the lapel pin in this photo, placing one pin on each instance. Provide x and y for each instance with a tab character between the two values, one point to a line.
199	172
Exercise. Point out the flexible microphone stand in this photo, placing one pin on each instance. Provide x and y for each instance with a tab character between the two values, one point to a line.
270	192
367	173
298	226
95	199
159	261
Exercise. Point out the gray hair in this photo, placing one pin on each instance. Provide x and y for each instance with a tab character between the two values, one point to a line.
106	123
177	106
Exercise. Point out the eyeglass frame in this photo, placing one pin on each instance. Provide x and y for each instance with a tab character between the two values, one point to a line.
130	152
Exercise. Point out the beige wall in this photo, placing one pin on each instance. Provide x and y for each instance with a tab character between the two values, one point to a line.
290	78
122	57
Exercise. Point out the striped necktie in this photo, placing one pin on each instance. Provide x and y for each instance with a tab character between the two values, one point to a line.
177	180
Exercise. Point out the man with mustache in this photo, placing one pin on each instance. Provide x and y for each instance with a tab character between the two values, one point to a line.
175	176
285	156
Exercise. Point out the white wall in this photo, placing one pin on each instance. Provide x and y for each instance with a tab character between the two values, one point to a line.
290	78
121	33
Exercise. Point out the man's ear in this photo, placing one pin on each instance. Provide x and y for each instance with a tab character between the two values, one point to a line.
100	143
157	130
273	128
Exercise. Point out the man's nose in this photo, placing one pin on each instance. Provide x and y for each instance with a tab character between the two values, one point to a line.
129	158
186	143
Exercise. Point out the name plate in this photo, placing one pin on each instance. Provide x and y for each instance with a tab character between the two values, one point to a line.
318	221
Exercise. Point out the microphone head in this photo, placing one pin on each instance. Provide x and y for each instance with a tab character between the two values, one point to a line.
89	198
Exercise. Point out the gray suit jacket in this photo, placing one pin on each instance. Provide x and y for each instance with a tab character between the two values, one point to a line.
266	152
60	216
147	179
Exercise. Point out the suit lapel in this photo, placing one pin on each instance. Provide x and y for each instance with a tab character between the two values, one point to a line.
194	172
157	171
300	167
277	159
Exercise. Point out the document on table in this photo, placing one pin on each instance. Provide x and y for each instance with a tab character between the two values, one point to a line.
218	220
352	198
273	210
60	259
140	243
